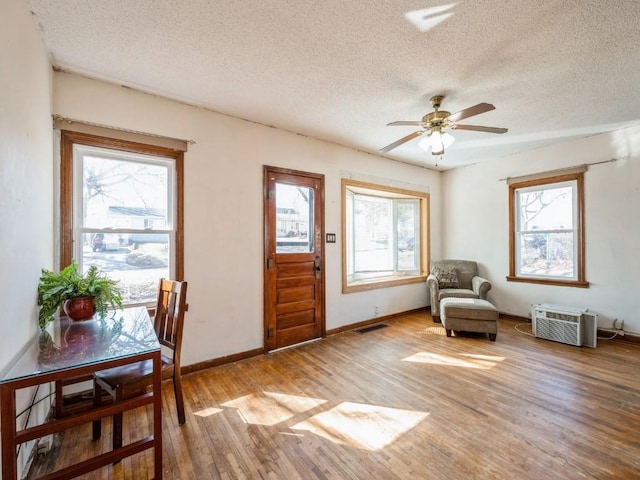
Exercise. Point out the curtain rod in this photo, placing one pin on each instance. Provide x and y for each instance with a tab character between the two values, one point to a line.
560	170
63	123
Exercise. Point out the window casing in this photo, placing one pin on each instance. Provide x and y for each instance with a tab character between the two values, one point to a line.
547	231
121	209
385	236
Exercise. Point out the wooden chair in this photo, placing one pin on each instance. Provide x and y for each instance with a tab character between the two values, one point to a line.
133	380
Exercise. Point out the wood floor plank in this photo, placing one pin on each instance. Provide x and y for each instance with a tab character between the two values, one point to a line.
400	402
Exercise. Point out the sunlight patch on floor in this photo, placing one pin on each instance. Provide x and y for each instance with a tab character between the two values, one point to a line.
369	427
488	358
270	408
483	362
435	331
207	412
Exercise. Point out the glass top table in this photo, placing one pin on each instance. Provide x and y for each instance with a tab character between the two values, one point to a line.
70	344
69	349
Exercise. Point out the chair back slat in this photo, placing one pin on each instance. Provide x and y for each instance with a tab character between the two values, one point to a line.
169	317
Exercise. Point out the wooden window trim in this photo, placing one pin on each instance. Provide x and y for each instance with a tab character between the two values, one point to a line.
67	140
581	280
372	284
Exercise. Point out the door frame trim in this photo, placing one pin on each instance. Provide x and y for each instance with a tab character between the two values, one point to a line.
267	169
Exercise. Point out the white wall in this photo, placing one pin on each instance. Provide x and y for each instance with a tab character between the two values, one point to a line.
612	225
26	187
223	209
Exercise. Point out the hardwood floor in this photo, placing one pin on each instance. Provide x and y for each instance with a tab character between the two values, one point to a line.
402	402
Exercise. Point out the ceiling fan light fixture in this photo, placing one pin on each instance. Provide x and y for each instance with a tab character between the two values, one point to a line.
425	143
437	142
447	139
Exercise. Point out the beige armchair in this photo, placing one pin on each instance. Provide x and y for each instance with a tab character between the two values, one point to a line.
455	278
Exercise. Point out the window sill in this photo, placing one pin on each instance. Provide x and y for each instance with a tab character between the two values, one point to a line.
371	284
549	281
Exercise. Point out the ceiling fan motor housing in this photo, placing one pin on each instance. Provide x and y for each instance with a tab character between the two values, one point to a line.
436	118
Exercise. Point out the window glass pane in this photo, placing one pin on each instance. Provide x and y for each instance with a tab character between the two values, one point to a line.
547	254
407	226
373	234
294	219
348	236
124	194
124	210
546	209
137	261
382	236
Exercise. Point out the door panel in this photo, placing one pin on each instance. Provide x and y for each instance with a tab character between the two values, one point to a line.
294	257
296	294
296	319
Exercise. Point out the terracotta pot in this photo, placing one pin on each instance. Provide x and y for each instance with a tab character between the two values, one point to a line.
82	333
81	308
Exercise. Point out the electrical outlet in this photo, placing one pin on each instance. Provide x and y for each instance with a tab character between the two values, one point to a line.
618	327
376	310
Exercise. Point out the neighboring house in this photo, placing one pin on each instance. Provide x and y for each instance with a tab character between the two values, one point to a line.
137	217
290	223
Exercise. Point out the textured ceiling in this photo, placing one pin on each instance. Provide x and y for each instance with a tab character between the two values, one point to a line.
341	70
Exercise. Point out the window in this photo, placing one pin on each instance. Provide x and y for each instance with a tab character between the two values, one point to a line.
385	236
546	224
121	210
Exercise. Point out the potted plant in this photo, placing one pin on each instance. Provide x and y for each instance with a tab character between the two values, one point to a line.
79	295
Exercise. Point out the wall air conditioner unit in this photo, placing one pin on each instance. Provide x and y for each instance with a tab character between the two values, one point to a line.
575	326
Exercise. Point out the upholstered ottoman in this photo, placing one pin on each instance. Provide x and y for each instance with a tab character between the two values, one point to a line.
469	315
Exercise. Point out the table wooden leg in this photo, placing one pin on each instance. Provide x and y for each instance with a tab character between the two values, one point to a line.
8	419
157	415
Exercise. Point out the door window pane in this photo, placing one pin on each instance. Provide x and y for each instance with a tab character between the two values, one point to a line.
294	219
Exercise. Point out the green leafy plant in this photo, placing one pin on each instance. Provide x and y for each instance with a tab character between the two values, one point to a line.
55	288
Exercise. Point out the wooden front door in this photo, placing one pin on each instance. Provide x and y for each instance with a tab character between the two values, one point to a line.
294	257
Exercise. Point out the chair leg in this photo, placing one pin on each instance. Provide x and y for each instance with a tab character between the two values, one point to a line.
59	402
117	431
97	400
448	330
117	424
177	390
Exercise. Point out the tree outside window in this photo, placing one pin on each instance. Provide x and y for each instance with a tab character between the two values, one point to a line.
546	243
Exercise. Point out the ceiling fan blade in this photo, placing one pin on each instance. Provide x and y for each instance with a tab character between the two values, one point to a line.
470	112
415	123
397	143
480	129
